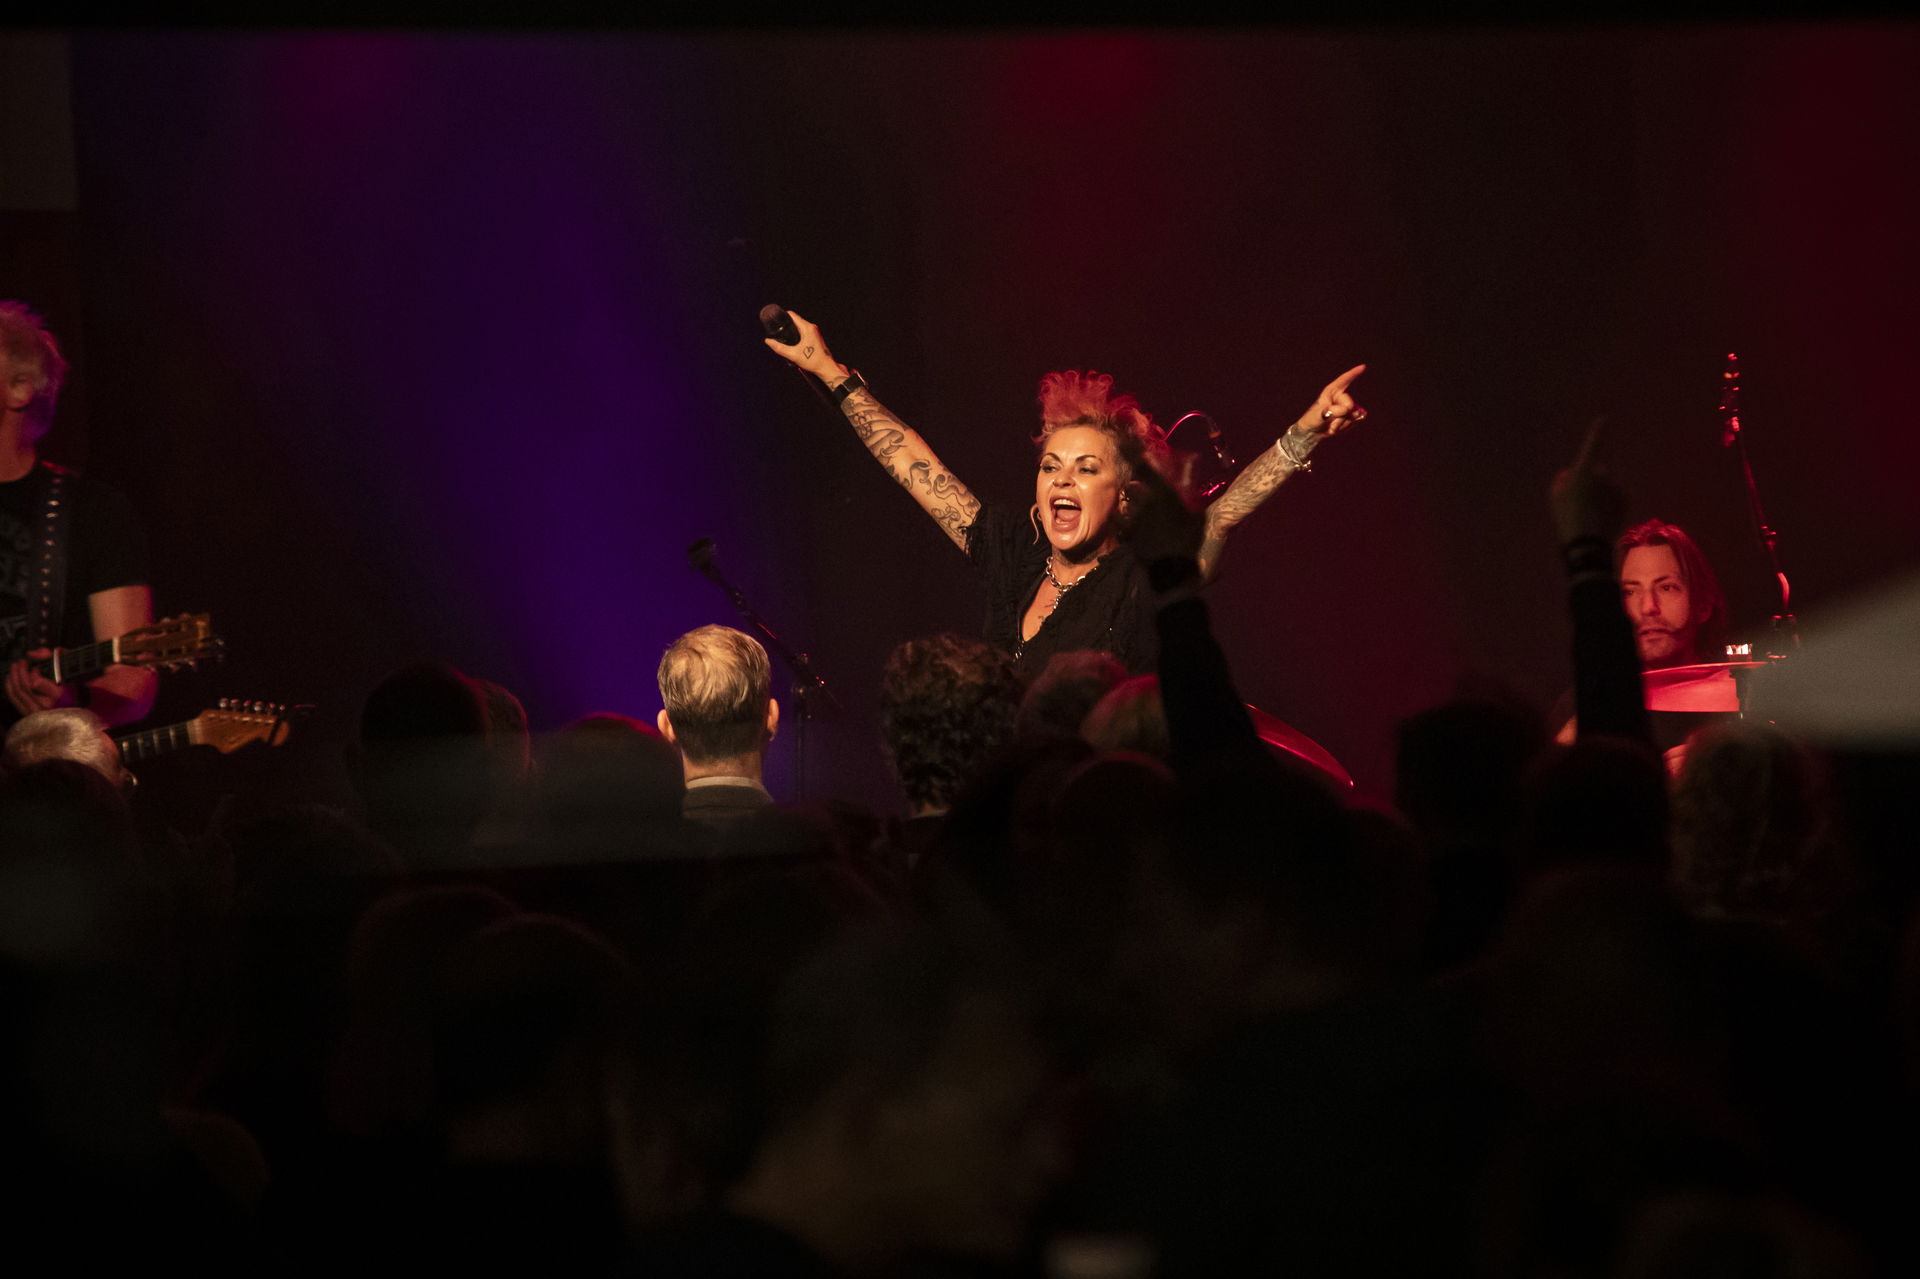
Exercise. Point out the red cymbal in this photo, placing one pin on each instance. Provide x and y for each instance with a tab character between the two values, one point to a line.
1275	732
1661	676
1702	687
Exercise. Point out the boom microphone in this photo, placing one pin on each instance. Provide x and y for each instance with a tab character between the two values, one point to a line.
1730	401
700	556
779	325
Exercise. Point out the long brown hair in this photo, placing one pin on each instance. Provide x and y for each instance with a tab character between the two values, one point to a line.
1707	606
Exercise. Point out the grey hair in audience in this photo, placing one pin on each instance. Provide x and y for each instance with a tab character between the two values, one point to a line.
66	732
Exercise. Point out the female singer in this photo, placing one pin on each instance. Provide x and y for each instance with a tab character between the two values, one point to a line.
1058	577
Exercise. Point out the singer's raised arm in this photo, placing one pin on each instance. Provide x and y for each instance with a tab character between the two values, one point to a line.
1332	413
894	444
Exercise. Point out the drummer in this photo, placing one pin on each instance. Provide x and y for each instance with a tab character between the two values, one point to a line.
1679	618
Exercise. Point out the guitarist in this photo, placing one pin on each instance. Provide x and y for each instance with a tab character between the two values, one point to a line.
73	557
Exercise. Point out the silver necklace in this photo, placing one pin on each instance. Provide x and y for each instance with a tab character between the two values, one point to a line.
1061	588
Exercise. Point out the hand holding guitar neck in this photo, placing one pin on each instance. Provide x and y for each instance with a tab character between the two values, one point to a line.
36	683
172	642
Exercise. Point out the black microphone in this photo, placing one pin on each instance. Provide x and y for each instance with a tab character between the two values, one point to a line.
779	325
1730	401
700	555
1214	439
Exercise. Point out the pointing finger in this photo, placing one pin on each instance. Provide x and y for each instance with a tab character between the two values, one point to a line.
1339	385
1583	460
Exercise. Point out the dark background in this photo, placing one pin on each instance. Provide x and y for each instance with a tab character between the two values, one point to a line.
439	344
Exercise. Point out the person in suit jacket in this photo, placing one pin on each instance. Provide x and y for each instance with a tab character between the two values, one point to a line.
716	687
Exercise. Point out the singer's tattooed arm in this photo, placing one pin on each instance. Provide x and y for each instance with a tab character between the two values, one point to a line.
1250	488
899	448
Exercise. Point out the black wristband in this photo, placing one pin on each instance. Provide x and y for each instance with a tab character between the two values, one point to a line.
853	383
1589	554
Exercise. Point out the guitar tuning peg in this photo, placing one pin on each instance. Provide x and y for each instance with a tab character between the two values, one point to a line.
226	703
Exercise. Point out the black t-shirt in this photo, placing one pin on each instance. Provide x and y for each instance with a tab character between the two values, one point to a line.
1110	609
106	547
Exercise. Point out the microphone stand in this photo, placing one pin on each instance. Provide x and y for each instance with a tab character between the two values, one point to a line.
1784	624
806	684
1215	443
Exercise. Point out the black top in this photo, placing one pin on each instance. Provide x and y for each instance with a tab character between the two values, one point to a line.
723	805
106	547
1110	609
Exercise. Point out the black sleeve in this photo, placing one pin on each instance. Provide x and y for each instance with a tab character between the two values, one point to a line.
994	548
1207	723
106	548
1607	694
988	537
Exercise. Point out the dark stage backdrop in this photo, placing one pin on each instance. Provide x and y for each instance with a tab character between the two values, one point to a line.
413	345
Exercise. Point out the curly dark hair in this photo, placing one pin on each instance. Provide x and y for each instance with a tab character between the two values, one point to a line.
947	703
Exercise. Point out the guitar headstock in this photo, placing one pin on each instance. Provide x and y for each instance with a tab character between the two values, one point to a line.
234	723
171	642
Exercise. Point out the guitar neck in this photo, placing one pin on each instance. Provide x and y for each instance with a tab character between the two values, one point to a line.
137	748
70	665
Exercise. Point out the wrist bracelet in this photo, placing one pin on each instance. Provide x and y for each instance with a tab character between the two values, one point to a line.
1587	555
1298	463
853	383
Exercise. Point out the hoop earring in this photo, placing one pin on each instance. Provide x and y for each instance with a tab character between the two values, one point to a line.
1033	518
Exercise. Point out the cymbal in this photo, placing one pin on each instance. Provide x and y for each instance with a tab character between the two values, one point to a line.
1278	733
1661	676
1702	687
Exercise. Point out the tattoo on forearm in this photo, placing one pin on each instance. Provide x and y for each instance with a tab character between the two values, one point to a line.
882	432
906	457
1251	487
1211	545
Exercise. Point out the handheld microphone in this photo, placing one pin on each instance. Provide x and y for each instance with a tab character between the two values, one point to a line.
779	325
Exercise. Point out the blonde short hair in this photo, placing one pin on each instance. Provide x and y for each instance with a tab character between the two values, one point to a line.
716	685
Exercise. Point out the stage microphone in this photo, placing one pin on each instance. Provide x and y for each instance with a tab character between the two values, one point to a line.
700	555
779	325
1214	439
1730	401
